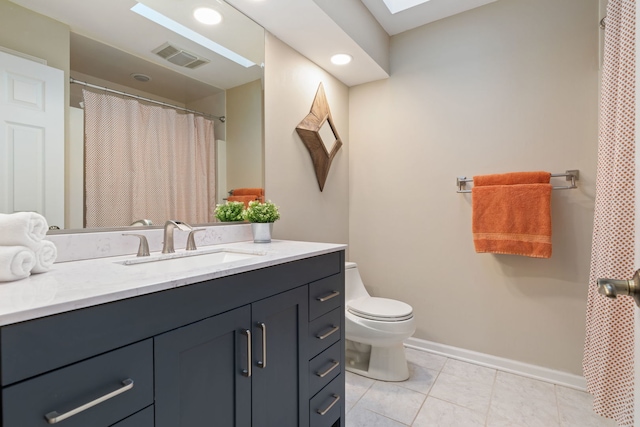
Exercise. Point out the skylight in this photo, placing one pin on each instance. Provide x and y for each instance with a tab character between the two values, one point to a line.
178	28
396	6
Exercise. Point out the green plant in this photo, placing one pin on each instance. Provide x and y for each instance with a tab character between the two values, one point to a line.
230	211
261	212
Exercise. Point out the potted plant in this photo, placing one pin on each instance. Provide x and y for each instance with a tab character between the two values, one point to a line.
230	212
261	216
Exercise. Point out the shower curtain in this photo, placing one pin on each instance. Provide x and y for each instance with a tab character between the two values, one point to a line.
609	345
146	162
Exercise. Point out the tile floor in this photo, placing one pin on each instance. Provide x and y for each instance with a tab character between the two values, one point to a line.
444	392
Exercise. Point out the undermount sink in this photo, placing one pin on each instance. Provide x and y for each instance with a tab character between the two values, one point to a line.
191	259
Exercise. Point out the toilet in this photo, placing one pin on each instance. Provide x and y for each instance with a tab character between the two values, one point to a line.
375	329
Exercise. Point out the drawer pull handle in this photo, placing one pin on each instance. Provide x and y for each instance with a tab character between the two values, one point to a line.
328	297
334	365
263	363
328	408
54	417
247	372
325	335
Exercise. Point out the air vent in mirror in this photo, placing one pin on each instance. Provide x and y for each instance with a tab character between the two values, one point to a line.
179	56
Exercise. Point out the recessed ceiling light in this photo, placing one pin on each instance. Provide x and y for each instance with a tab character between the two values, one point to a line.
396	6
341	59
141	77
178	28
208	16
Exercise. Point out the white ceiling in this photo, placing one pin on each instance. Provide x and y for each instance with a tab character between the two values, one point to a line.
315	28
113	24
304	26
429	11
319	28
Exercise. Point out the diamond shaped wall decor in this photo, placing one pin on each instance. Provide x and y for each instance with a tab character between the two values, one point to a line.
310	130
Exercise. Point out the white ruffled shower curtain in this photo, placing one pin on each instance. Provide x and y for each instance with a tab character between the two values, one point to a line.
609	345
146	162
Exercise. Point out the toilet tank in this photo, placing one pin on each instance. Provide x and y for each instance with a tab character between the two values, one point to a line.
354	288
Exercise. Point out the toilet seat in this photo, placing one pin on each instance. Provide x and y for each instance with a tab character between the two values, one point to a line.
381	309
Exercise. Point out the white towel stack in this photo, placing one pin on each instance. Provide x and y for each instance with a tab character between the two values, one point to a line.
22	248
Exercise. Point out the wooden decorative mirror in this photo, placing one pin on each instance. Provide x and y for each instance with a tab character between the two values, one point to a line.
320	136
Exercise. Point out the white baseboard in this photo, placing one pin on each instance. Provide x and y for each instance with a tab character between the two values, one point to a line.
507	365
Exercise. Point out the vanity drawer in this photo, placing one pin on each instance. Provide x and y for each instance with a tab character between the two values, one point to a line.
324	367
143	418
120	383
325	295
324	331
326	406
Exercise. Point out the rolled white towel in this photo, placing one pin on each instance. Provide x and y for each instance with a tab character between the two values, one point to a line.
22	229
46	255
16	262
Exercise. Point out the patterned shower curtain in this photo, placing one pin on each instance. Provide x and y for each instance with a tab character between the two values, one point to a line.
609	346
146	162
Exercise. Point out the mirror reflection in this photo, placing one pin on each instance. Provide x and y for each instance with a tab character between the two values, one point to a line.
216	75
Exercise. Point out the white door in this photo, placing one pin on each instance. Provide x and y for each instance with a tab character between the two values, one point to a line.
31	138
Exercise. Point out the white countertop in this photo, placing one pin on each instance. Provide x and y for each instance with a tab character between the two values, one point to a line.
78	284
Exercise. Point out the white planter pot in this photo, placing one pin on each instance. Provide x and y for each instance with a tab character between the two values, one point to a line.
261	231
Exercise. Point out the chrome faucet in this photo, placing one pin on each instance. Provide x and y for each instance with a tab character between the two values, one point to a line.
169	226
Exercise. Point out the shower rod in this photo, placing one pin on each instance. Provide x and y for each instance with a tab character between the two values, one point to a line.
153	101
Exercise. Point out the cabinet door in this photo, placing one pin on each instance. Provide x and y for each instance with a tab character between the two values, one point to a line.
280	386
202	373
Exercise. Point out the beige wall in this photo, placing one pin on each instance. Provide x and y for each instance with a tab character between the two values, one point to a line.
244	145
511	86
215	105
20	27
291	82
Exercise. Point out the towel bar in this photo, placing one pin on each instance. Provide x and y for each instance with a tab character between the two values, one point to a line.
571	175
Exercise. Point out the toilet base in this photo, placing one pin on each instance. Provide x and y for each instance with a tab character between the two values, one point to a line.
384	363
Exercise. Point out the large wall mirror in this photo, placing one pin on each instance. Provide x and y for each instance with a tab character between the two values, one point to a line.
120	45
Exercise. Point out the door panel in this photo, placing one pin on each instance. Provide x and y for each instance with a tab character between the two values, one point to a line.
31	138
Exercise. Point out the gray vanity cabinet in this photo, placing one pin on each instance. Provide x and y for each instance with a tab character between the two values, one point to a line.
236	351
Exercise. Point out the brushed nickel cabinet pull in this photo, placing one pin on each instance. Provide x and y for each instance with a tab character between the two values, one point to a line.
54	417
263	363
247	372
334	365
328	297
328	408
325	335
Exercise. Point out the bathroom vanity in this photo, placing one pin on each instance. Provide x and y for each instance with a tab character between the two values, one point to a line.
253	342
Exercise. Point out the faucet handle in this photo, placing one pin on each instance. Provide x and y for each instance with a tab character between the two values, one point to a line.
191	241
143	249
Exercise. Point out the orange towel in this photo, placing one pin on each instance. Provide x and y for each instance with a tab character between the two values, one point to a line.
248	191
512	214
512	178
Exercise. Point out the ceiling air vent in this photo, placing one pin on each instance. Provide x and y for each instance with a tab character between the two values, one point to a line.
179	56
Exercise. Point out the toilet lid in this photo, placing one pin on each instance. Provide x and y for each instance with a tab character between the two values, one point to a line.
383	309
